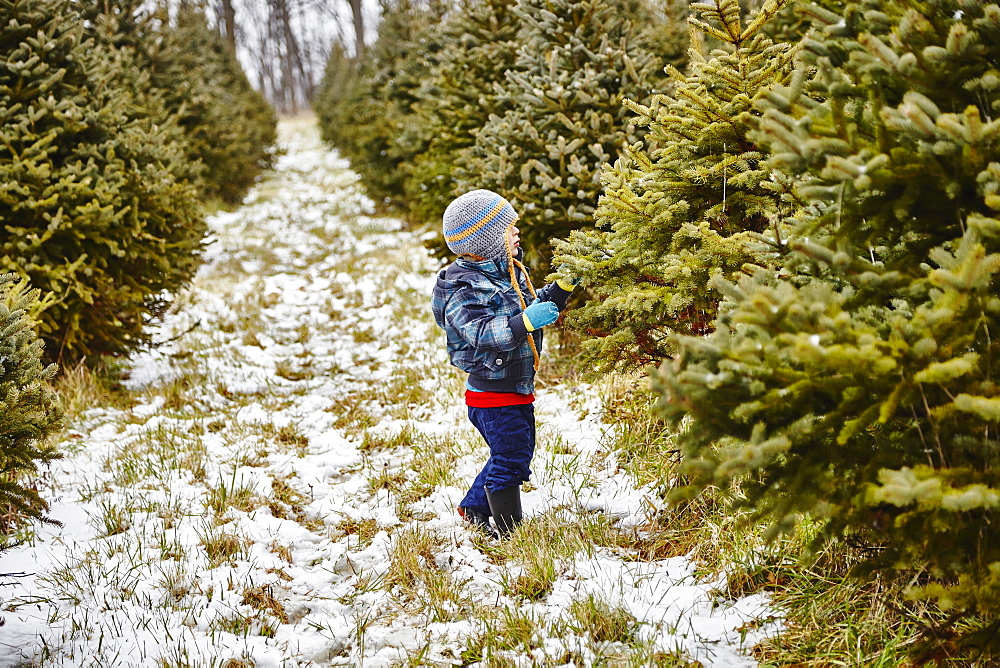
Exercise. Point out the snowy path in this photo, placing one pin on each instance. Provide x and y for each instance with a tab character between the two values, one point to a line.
281	489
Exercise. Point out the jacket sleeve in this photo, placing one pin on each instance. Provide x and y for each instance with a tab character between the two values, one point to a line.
476	324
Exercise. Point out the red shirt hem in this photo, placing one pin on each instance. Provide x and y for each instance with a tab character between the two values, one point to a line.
496	399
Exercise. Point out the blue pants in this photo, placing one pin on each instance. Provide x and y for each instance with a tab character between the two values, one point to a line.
510	433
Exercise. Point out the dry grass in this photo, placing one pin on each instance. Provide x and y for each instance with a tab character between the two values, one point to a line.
80	387
286	438
352	413
262	598
376	440
228	494
415	574
503	636
364	530
601	622
222	547
386	478
540	549
412	558
288	503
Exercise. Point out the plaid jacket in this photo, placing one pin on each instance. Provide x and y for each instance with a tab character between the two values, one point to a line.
478	308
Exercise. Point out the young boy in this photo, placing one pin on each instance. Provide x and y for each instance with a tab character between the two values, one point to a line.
493	318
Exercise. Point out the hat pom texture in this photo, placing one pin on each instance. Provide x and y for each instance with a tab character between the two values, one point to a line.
475	224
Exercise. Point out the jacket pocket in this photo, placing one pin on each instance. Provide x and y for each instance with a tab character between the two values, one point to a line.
495	361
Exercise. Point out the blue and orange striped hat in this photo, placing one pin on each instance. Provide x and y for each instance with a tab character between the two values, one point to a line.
475	224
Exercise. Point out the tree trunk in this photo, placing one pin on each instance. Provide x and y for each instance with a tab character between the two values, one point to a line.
300	85
283	81
359	28
229	23
291	62
306	60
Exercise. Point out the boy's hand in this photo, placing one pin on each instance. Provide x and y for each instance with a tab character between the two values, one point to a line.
568	284
567	281
539	314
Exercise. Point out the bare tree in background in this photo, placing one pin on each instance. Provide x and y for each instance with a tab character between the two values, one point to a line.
284	44
227	21
358	19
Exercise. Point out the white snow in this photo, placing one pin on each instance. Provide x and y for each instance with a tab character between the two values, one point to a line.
307	303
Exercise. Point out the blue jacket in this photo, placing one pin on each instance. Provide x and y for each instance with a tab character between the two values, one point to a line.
476	305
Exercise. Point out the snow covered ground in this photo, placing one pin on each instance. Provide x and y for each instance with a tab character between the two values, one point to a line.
281	490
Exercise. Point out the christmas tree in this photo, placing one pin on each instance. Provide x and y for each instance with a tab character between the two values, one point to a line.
96	195
28	411
372	119
855	383
479	45
687	202
578	61
331	101
230	128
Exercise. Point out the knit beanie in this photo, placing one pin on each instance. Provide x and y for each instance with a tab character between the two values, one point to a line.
476	223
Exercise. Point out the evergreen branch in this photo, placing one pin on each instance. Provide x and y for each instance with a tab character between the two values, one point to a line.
157	344
711	30
766	13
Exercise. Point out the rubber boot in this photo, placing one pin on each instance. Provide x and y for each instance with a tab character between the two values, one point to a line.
478	519
505	504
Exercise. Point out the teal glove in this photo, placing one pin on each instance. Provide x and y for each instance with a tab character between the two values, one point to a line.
539	314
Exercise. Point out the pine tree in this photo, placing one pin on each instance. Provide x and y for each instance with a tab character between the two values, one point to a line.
374	123
578	61
28	411
230	128
479	45
856	384
95	197
684	204
331	101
